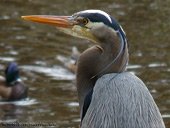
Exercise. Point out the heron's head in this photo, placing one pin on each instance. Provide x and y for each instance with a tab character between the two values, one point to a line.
79	24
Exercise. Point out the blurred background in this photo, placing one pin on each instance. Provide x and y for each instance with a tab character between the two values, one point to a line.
52	91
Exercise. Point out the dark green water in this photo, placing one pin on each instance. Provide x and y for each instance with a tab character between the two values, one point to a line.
52	91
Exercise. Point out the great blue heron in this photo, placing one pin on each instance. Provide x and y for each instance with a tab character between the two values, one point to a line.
108	96
12	88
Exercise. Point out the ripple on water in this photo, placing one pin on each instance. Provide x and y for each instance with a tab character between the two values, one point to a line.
133	66
24	102
156	65
73	104
165	116
57	72
8	59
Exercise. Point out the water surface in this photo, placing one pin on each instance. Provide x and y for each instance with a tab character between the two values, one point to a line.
52	92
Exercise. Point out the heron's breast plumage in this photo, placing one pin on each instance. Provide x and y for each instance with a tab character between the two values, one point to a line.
122	102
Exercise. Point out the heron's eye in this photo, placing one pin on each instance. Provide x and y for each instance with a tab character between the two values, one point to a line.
85	21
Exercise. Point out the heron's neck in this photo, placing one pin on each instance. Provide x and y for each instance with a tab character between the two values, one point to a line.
113	56
96	58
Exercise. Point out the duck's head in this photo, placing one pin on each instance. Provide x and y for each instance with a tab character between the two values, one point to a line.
12	74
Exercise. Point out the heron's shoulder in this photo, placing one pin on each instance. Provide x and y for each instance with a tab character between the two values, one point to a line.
119	76
125	80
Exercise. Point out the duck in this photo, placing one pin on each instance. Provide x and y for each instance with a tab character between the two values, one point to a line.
12	88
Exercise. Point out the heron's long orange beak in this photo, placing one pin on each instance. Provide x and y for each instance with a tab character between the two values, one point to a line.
67	24
58	21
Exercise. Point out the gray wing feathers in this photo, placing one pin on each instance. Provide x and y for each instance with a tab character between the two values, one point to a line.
122	102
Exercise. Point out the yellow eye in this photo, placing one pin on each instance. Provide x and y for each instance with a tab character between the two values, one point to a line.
85	21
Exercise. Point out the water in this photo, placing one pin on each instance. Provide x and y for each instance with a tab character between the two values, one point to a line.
52	91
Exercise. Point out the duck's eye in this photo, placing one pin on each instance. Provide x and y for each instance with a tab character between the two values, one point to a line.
85	21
